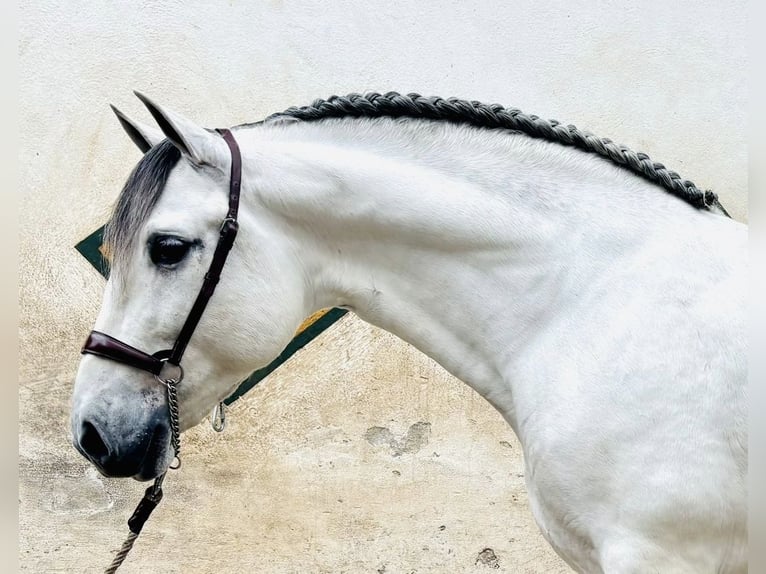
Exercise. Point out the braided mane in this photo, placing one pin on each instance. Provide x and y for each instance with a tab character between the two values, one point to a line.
395	105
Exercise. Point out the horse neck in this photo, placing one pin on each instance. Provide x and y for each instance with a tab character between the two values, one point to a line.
465	243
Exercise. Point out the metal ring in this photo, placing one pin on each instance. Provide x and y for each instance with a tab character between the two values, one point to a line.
175	380
175	464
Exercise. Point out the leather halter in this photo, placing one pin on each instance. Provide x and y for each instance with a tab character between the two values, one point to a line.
106	346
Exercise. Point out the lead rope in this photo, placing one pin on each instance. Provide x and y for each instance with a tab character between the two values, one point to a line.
153	494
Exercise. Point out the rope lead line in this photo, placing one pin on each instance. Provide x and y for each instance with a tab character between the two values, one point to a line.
148	503
123	552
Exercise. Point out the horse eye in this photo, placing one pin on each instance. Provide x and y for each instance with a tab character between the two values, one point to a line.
166	250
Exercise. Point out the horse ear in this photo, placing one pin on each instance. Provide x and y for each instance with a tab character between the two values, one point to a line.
198	144
145	137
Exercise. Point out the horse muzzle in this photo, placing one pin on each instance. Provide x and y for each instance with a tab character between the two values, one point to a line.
141	450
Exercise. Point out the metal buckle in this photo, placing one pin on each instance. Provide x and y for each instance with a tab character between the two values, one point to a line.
230	223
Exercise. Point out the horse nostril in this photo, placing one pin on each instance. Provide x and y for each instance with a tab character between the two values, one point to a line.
92	443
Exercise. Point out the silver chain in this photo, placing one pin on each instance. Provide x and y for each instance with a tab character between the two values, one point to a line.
175	428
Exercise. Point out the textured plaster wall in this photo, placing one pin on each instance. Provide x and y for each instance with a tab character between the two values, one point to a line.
360	455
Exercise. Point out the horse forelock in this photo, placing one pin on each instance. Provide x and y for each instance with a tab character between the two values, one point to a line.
137	199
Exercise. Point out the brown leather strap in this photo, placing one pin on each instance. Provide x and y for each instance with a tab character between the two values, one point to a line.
228	233
235	174
108	347
103	345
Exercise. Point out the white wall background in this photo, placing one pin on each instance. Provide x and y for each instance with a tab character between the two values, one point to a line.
667	78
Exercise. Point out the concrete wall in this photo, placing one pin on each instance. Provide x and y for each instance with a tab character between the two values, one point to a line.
307	478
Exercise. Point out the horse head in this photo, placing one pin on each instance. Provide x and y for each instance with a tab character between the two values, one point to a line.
161	238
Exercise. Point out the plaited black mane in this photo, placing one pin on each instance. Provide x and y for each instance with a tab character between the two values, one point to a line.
395	105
